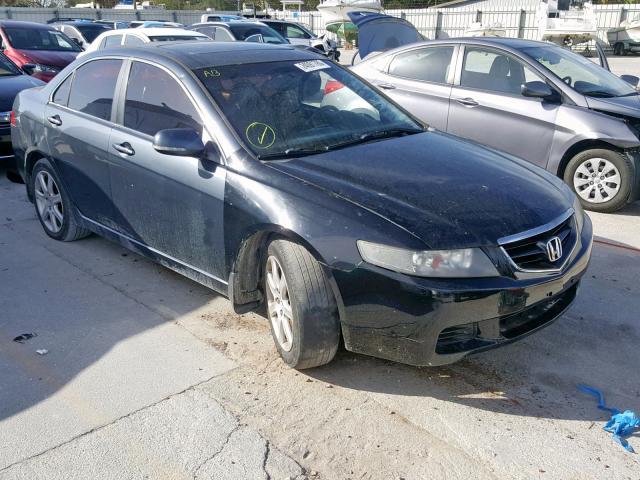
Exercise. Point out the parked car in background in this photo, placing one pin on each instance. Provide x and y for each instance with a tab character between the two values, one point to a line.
214	17
82	32
140	36
239	31
217	160
298	34
154	24
113	24
41	50
535	100
12	81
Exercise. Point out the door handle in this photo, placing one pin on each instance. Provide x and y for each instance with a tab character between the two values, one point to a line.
124	148
467	102
386	86
55	120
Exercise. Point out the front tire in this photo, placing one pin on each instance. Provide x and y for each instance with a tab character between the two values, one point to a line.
300	306
602	179
53	206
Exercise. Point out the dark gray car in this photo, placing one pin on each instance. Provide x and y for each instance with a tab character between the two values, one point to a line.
534	100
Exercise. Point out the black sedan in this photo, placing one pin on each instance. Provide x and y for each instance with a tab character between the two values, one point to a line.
339	215
12	81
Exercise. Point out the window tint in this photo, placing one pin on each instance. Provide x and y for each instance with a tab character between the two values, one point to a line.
132	40
491	70
155	101
62	93
93	88
222	35
39	39
208	31
426	64
112	41
295	32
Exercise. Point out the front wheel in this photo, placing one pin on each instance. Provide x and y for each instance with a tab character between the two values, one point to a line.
301	306
602	179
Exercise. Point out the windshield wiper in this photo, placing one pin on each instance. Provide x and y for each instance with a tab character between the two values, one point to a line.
378	135
291	153
599	93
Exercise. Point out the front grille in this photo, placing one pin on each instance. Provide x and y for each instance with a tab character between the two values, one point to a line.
531	254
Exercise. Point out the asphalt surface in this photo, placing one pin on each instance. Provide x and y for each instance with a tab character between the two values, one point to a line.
149	375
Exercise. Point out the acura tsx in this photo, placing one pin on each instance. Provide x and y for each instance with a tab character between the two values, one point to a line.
222	161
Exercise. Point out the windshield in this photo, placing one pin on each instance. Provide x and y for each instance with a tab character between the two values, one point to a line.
269	35
176	38
90	32
40	39
580	73
299	108
7	67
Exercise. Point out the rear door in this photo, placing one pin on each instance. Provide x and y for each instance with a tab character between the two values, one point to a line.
487	106
172	204
78	125
420	80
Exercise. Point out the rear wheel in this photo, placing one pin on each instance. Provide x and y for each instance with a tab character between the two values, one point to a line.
601	178
618	49
300	305
53	206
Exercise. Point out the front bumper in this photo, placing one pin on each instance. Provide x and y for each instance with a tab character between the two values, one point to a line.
422	321
6	151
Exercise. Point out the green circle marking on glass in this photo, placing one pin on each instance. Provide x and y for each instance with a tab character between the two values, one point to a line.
260	135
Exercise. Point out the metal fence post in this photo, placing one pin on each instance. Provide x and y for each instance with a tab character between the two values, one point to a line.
438	24
522	23
9	14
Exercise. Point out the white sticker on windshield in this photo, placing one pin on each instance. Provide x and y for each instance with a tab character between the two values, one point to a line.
312	65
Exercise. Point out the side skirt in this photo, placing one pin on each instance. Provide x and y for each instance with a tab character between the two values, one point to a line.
193	273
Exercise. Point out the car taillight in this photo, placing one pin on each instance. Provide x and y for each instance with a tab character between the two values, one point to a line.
13	118
331	86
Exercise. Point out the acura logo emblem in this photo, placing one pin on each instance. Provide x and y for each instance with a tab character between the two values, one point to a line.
554	249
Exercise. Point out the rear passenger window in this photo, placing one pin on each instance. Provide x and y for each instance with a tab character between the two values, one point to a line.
93	88
222	35
132	40
62	93
155	101
111	41
426	64
208	31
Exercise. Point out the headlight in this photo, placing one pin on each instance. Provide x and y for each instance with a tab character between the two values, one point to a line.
463	263
5	117
577	207
45	69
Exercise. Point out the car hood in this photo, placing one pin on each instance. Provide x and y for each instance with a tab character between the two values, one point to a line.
10	86
55	59
629	106
448	192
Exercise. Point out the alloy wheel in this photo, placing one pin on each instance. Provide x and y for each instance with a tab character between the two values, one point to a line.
49	201
597	180
279	304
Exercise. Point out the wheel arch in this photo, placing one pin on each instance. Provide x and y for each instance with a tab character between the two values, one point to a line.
581	146
29	163
247	266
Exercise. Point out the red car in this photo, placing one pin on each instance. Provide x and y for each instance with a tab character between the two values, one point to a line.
38	49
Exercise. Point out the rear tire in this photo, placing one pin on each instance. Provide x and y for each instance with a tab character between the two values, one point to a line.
602	179
618	49
301	306
55	211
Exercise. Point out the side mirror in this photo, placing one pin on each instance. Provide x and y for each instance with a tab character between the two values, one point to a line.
537	89
28	68
631	79
257	38
184	142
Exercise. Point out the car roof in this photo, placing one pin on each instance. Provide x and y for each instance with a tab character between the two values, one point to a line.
155	31
211	54
230	22
21	24
516	43
80	22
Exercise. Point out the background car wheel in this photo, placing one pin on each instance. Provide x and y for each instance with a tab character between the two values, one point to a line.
618	49
601	178
300	306
53	206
